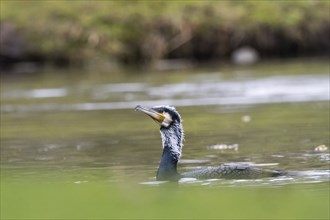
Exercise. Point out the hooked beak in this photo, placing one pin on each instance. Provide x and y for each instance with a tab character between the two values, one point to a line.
161	118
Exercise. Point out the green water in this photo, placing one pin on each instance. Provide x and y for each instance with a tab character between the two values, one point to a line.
100	164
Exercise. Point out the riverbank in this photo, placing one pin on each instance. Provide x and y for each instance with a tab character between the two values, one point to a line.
116	33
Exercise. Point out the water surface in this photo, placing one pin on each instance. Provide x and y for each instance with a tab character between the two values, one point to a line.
78	139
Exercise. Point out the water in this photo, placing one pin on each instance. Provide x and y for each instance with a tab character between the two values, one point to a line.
73	147
273	89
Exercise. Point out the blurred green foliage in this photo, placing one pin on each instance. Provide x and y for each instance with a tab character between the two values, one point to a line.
143	31
100	200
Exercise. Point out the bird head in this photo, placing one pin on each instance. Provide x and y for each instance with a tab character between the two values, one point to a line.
170	127
165	116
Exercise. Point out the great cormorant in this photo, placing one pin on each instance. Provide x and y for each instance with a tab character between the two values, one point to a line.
172	139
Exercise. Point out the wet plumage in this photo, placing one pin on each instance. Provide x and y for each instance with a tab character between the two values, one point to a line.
231	172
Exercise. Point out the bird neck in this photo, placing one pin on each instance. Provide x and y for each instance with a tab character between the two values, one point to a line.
167	167
172	139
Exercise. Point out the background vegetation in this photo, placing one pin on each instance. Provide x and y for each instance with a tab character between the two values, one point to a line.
75	32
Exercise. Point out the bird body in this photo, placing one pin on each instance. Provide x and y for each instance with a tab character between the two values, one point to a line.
231	172
172	135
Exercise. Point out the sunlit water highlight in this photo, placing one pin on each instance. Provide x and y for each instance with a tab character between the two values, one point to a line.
275	89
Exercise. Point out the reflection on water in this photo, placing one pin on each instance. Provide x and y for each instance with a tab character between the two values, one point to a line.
275	89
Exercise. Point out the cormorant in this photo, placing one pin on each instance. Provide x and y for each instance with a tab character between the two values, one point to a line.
172	139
